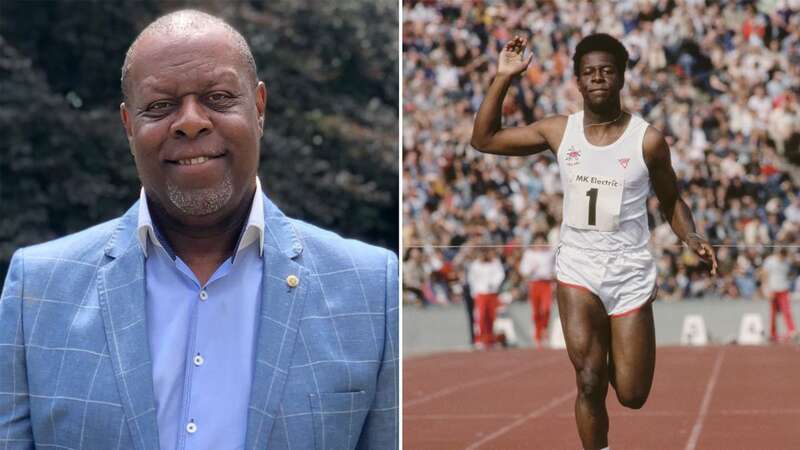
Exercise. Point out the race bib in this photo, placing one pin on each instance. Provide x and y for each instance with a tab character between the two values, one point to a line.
593	202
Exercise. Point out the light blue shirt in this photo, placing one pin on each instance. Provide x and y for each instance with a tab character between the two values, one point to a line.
202	337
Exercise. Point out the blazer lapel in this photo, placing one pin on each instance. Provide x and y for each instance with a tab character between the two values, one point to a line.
121	292
284	287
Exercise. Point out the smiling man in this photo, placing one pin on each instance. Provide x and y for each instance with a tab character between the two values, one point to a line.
609	160
203	318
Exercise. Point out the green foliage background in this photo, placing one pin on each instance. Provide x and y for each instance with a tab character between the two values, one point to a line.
329	154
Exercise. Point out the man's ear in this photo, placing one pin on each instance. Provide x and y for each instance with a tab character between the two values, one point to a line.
126	123
261	105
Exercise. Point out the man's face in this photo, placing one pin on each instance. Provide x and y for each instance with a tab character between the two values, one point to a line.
599	80
194	118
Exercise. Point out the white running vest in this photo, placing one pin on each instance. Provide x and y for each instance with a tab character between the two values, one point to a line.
605	189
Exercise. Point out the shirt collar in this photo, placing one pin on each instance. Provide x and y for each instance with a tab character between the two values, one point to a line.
253	230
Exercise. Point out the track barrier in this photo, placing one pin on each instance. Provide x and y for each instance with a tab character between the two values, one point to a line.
694	330
751	330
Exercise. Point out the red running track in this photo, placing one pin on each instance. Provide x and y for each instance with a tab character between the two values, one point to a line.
708	398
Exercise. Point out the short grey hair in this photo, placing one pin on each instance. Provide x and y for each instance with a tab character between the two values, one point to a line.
183	21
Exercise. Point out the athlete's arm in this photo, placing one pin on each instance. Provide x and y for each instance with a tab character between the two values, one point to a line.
488	136
675	210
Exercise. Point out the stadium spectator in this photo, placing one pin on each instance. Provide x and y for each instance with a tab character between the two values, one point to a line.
537	266
484	277
776	284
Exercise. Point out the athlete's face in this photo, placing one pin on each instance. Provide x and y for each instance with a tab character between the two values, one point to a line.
599	80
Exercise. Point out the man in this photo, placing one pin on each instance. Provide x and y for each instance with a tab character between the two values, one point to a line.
608	159
414	276
537	267
484	277
776	276
203	318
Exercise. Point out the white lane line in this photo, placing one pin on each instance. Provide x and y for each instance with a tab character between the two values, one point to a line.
724	412
758	412
536	413
459	416
475	382
712	381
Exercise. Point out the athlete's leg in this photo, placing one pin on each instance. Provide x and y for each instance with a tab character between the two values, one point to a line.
547	301
469	303
786	310
532	300
773	319
537	309
586	332
479	314
633	356
491	314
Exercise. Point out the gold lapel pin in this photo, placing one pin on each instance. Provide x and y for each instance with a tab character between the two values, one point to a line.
292	281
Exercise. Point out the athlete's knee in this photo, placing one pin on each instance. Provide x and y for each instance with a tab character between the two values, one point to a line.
592	384
634	399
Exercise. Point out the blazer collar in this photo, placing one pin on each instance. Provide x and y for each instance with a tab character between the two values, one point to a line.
279	232
124	234
253	230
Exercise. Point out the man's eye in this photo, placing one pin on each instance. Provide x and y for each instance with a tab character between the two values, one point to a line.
158	106
218	97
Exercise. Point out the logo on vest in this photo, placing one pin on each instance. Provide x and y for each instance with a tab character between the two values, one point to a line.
624	162
573	156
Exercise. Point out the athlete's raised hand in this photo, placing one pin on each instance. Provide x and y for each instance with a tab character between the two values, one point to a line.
701	246
512	60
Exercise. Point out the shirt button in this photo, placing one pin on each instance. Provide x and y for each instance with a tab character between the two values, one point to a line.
191	427
198	360
203	295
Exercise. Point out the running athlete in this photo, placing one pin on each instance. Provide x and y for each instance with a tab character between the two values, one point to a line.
608	161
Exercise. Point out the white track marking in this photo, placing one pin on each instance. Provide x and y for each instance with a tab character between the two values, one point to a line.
724	412
712	382
478	381
536	413
758	412
459	416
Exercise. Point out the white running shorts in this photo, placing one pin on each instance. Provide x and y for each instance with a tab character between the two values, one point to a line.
623	280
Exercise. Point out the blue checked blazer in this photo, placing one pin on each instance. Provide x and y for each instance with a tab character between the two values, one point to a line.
75	370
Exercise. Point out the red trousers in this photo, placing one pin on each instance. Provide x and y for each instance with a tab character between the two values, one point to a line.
540	294
484	314
780	304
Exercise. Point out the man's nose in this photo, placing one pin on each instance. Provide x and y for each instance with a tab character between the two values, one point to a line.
192	120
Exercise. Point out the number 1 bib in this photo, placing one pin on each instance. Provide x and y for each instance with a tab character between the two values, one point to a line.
593	202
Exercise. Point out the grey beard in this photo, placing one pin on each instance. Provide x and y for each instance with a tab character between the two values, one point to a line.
199	202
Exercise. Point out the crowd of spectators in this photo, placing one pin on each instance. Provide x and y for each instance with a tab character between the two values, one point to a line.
720	79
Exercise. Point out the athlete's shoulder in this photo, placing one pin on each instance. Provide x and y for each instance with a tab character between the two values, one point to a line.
654	146
558	121
553	129
653	137
555	123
